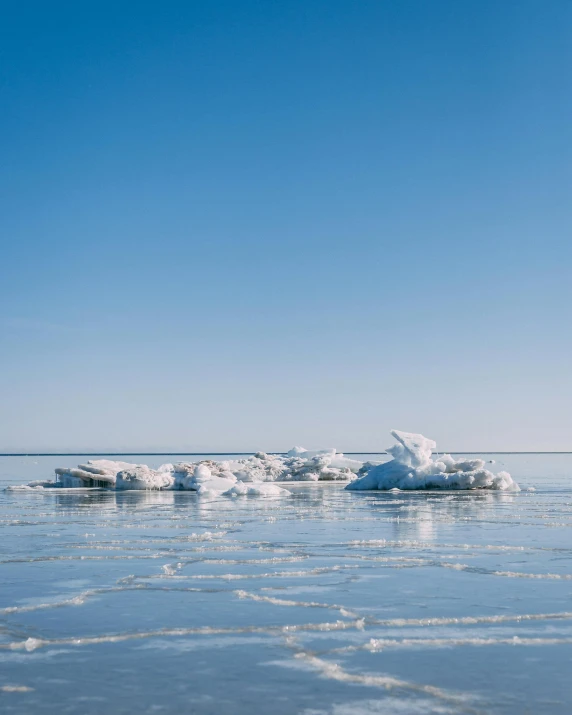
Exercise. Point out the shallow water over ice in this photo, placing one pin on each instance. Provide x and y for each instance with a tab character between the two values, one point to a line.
322	602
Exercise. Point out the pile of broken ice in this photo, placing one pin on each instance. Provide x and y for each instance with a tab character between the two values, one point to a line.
413	467
251	476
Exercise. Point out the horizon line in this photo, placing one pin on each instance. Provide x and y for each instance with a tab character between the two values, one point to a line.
241	454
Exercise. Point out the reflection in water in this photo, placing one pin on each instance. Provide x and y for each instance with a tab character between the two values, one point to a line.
421	518
410	512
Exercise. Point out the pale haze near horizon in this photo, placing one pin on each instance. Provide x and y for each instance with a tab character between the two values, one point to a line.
240	226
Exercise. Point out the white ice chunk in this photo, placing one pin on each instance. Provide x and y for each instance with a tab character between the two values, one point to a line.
94	473
202	473
413	449
296	451
338	461
263	489
215	484
413	467
205	476
140	477
104	466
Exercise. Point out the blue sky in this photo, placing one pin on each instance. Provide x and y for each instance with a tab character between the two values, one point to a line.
247	225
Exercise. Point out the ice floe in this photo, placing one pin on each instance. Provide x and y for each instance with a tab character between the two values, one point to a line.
94	473
414	467
251	476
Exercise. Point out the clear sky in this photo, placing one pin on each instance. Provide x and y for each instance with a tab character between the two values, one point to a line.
235	225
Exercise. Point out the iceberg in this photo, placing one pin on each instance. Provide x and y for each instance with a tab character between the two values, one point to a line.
414	467
250	476
94	473
206	478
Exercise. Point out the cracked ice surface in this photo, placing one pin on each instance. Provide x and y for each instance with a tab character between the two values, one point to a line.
329	602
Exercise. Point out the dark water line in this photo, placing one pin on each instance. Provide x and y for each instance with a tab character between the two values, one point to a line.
219	454
142	454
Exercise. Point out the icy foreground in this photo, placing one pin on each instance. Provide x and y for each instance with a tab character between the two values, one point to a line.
326	602
413	467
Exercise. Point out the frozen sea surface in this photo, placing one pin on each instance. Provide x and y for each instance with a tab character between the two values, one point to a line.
321	602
